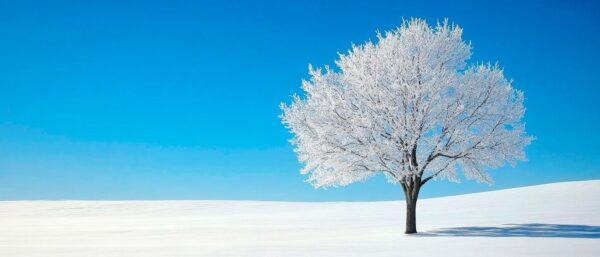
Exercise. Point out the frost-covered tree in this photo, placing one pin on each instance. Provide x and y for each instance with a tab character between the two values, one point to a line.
407	106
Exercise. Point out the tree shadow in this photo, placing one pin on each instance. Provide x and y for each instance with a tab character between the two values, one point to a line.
520	230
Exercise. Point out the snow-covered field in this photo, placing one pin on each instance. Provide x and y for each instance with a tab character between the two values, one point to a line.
560	219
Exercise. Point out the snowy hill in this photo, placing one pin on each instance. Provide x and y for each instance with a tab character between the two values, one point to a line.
561	219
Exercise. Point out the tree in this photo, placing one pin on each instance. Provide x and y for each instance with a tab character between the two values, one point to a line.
409	107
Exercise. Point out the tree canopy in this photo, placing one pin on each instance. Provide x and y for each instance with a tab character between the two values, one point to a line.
408	106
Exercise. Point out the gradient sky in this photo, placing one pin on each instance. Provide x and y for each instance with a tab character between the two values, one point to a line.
179	99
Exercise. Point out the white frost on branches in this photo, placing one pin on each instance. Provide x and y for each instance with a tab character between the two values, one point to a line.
407	106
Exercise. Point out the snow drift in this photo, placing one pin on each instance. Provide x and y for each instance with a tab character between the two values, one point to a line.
560	219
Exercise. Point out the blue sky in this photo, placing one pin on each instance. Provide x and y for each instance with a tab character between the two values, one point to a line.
179	99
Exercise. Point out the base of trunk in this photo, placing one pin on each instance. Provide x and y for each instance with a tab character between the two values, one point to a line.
411	193
411	218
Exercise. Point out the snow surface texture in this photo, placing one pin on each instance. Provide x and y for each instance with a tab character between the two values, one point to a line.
559	219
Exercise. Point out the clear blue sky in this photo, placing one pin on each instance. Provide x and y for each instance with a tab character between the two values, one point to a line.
179	99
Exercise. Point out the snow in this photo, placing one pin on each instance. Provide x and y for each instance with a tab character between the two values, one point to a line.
558	219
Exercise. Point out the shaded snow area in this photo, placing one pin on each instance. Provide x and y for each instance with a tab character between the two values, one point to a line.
561	219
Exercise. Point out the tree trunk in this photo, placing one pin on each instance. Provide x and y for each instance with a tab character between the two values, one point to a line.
411	194
411	216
